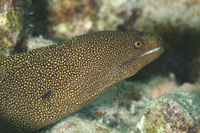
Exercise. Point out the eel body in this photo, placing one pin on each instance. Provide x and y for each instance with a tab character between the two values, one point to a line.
41	86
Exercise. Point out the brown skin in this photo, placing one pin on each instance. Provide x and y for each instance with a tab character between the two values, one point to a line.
42	86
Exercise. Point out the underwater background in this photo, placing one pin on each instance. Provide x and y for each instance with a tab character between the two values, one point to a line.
162	97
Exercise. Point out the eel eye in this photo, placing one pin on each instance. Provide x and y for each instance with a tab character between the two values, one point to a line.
138	43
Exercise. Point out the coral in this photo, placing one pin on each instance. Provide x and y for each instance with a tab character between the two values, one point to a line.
71	18
37	42
176	112
160	86
167	12
76	124
11	23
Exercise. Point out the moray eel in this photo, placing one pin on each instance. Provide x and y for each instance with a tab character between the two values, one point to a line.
42	86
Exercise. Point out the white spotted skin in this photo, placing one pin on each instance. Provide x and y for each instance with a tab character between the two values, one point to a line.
42	86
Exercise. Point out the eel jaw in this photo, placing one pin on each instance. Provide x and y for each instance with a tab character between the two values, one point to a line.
151	51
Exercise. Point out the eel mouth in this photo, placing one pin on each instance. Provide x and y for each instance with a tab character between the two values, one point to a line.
158	50
152	55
